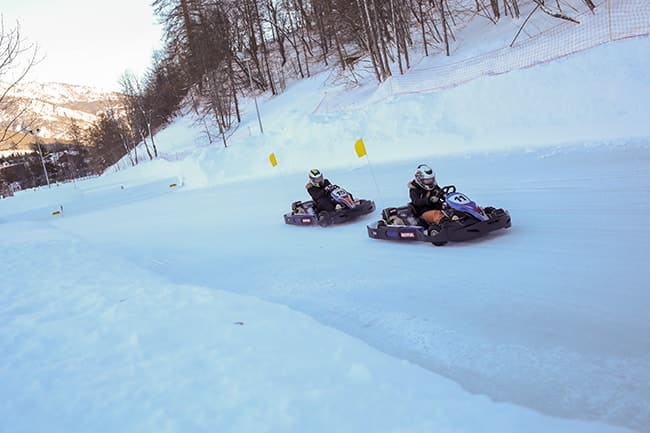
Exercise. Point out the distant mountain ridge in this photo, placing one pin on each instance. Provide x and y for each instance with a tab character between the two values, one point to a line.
55	105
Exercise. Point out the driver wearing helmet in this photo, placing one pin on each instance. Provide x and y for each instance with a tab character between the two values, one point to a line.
426	196
317	189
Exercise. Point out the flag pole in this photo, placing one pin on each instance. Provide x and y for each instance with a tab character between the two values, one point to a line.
283	175
360	149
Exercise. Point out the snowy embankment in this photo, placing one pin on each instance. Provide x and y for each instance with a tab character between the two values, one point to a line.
594	97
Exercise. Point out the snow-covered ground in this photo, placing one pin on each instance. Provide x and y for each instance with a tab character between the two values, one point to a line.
144	307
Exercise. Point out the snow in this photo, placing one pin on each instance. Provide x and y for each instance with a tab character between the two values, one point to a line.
170	297
58	93
5	153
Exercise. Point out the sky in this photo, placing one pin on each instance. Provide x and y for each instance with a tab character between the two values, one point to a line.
145	307
86	42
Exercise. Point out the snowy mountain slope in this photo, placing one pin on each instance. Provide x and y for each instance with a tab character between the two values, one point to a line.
58	93
54	105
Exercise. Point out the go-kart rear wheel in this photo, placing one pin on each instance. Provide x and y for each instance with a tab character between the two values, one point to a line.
324	219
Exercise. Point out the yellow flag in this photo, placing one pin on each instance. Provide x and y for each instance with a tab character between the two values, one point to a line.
272	159
360	148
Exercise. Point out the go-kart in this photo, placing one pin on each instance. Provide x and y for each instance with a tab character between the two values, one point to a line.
465	220
303	213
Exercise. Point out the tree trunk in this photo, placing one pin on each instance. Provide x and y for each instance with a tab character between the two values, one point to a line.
443	18
495	8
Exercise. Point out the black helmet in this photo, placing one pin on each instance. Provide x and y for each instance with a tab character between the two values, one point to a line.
425	177
315	177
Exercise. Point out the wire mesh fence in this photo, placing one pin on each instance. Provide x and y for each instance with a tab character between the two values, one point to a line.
611	20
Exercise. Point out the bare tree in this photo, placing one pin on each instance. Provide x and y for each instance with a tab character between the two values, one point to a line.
108	137
138	114
16	59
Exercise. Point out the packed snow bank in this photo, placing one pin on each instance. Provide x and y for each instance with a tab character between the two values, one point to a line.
599	94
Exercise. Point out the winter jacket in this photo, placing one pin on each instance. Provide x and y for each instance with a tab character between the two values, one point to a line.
322	199
423	200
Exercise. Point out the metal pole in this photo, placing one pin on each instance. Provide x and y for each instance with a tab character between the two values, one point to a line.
609	18
47	178
257	109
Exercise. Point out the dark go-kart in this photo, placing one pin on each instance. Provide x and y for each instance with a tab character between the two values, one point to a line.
347	208
465	220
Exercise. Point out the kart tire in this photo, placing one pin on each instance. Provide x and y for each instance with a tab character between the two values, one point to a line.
324	219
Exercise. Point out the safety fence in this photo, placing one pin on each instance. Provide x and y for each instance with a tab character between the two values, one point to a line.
611	20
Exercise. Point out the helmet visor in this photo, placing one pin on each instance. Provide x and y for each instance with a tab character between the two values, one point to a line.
428	181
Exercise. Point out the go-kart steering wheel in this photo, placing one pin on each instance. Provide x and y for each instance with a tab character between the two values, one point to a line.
448	189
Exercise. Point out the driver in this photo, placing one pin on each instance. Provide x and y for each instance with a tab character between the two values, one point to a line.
317	187
426	196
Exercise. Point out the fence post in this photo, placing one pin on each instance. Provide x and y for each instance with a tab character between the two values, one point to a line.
609	19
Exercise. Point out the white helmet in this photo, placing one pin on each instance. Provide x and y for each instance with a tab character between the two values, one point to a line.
425	177
315	177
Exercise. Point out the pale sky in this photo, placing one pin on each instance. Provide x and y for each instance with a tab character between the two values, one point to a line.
86	42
